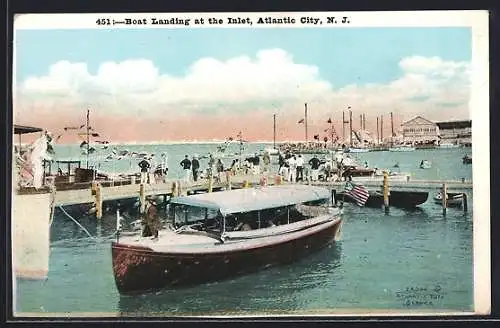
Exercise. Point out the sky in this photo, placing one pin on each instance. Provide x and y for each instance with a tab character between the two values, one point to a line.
209	83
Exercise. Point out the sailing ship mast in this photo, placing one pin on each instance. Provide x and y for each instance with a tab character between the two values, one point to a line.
392	130
305	119
274	131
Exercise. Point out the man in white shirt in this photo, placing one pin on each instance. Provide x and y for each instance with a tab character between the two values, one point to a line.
292	174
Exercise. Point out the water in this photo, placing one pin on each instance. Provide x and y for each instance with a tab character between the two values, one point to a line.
404	260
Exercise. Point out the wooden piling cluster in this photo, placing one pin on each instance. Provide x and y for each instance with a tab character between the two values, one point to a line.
444	197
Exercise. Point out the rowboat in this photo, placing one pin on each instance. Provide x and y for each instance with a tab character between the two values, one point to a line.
224	234
425	164
402	149
453	199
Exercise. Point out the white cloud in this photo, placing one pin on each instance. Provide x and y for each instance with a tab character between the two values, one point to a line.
272	76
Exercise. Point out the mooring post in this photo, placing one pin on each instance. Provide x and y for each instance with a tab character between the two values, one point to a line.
98	201
444	197
179	188
142	197
386	191
174	188
464	202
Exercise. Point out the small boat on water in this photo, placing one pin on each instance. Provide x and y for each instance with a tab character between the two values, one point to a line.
271	151
357	150
467	159
454	199
228	233
425	164
401	199
402	149
448	146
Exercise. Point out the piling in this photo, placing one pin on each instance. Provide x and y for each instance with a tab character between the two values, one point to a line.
444	192
386	191
142	197
174	188
464	202
179	188
98	200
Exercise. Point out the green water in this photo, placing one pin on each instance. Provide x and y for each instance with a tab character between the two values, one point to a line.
404	260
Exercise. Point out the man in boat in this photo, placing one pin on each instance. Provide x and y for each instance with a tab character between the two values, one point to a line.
186	166
151	220
144	165
315	163
195	165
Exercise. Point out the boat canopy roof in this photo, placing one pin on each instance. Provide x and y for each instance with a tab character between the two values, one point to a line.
254	199
23	129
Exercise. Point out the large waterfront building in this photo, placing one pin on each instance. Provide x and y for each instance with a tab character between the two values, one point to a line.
456	132
420	130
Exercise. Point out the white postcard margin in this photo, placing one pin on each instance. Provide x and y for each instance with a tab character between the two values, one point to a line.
477	20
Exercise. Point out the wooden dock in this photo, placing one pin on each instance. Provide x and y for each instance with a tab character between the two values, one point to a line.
107	193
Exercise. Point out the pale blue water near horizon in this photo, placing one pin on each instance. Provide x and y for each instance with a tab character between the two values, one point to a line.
382	262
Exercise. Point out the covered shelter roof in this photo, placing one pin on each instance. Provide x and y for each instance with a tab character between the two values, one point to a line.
24	129
455	124
254	199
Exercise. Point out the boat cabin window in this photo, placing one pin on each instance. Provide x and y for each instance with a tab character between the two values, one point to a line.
205	218
211	220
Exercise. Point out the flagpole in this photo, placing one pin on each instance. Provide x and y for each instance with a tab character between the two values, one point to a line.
88	137
305	118
343	127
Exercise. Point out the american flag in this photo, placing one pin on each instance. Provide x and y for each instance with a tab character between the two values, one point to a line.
357	192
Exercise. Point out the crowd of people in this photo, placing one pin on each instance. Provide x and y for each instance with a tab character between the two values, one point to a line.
292	167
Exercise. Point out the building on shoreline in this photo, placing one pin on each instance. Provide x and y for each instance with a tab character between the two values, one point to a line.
420	131
456	132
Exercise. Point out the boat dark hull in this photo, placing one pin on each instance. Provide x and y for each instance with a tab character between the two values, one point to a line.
140	269
401	199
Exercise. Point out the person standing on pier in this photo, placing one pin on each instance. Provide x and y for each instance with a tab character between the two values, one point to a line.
292	167
300	168
315	163
266	159
195	165
164	166
144	165
220	170
256	164
186	166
